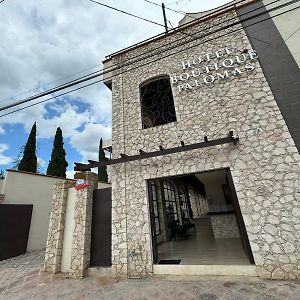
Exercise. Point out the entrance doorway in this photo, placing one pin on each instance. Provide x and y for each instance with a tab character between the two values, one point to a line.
196	220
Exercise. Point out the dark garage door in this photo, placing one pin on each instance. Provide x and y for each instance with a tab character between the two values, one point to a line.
14	229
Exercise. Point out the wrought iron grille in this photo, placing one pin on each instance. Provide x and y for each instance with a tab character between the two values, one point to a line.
157	102
154	198
170	202
183	200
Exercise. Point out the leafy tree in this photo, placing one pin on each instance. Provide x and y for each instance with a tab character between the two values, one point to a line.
29	161
58	164
102	171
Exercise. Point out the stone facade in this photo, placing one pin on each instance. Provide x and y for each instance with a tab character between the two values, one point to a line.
81	243
56	226
225	226
81	237
265	165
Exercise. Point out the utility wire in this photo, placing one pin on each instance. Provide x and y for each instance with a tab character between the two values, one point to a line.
74	82
51	82
194	37
199	19
128	63
168	8
1	1
124	65
122	72
127	13
102	69
176	2
139	55
51	98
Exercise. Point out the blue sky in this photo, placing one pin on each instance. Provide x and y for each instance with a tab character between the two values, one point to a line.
46	43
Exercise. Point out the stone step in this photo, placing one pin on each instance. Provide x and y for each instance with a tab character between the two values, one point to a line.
220	270
99	272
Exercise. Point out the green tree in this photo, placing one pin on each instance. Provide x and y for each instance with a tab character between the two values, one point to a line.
58	164
29	161
102	171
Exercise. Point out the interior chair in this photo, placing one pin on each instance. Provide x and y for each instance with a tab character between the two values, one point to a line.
187	224
178	230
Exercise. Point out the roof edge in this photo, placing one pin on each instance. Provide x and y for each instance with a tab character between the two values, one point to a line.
233	5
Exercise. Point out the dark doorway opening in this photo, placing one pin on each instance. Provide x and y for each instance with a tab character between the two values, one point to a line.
101	229
196	218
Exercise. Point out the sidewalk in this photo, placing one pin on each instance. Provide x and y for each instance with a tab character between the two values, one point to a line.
22	278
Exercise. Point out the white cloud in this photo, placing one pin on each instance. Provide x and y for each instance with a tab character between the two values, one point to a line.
87	141
68	119
4	160
44	41
70	174
41	163
2	130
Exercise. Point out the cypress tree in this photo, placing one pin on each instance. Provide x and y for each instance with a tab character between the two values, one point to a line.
29	161
102	171
58	164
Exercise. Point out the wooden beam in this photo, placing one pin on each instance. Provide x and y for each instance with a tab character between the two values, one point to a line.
125	158
92	161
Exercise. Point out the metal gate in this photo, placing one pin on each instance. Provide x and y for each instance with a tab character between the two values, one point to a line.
101	229
15	222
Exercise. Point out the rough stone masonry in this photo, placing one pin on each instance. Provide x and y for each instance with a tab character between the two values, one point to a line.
265	165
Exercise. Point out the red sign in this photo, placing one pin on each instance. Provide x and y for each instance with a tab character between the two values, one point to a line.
81	186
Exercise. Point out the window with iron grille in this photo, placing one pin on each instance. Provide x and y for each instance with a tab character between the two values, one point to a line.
157	104
153	195
170	202
183	200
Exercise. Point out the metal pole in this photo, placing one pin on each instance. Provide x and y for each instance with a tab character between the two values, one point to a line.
165	19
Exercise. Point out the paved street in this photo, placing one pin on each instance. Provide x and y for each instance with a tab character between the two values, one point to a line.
22	278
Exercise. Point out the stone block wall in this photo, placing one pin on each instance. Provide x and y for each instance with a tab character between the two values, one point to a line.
81	244
55	237
225	226
81	238
265	165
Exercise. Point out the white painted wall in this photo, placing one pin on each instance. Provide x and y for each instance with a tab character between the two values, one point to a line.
27	188
213	182
68	231
288	25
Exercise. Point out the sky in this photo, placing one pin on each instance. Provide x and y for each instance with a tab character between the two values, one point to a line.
46	43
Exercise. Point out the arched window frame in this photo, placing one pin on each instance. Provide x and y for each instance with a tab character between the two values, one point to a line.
157	108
